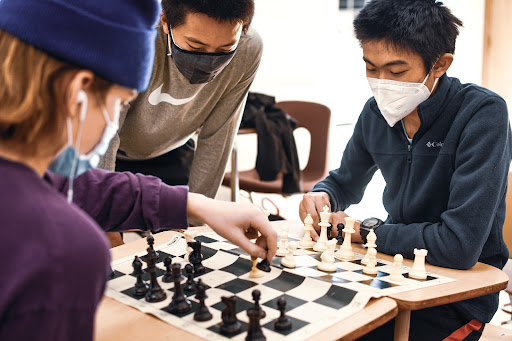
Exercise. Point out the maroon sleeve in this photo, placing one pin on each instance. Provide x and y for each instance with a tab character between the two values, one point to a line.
124	201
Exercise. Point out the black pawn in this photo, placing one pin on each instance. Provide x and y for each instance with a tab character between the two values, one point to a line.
202	313
340	228
155	292
189	284
179	303
264	265
329	231
230	324
167	278
255	314
283	322
141	288
256	295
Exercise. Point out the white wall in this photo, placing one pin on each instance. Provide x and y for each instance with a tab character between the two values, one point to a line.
311	54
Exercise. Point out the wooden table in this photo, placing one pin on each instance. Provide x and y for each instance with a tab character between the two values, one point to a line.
482	279
116	321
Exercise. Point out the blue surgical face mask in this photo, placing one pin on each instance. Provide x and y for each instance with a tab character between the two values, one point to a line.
70	163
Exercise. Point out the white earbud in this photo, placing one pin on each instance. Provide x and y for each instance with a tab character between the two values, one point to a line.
81	98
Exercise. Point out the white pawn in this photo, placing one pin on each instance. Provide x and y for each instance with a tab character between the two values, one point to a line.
370	243
418	267
307	241
325	216
189	237
327	257
396	275
283	242
345	252
370	268
288	260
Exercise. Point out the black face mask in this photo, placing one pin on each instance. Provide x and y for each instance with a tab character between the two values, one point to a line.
198	67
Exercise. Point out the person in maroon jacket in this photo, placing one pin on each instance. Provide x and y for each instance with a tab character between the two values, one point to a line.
66	67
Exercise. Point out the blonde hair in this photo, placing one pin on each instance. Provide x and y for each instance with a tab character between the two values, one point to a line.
29	114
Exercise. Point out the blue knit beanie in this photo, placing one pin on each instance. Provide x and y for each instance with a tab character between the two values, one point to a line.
115	39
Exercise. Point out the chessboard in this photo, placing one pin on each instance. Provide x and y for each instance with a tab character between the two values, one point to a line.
315	299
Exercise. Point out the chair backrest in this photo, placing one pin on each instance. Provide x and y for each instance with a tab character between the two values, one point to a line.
316	118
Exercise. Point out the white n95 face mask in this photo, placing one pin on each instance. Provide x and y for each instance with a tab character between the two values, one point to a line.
398	99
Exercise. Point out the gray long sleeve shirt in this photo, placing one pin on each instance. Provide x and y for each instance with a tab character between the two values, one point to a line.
171	110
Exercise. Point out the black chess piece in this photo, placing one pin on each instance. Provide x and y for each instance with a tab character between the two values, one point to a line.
202	313
230	324
151	241
255	314
179	303
329	231
195	258
256	295
167	277
340	228
140	288
282	323
190	285
264	265
155	292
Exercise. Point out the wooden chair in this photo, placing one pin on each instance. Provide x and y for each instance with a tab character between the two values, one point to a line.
316	119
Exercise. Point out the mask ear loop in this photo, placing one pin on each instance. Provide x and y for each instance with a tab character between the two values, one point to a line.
169	40
82	99
428	74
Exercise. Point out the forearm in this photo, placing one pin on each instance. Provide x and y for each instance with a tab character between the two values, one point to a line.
123	201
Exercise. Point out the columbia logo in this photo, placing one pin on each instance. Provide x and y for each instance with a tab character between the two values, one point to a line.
434	144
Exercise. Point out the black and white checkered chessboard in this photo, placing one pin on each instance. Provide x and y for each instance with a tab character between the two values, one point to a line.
315	299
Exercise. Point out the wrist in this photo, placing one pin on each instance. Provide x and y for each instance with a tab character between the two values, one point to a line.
196	204
368	224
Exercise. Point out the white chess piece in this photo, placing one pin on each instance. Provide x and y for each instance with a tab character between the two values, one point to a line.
255	272
189	237
371	238
396	275
288	260
418	267
327	257
325	216
345	252
370	268
307	241
283	242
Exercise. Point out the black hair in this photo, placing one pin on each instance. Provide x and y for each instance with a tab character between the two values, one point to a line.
221	10
425	27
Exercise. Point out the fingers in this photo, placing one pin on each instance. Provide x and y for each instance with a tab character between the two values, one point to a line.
251	233
336	218
313	204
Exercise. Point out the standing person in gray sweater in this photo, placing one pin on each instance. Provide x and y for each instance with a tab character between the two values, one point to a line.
206	59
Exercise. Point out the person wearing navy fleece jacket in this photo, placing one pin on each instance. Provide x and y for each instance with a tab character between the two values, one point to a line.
443	148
